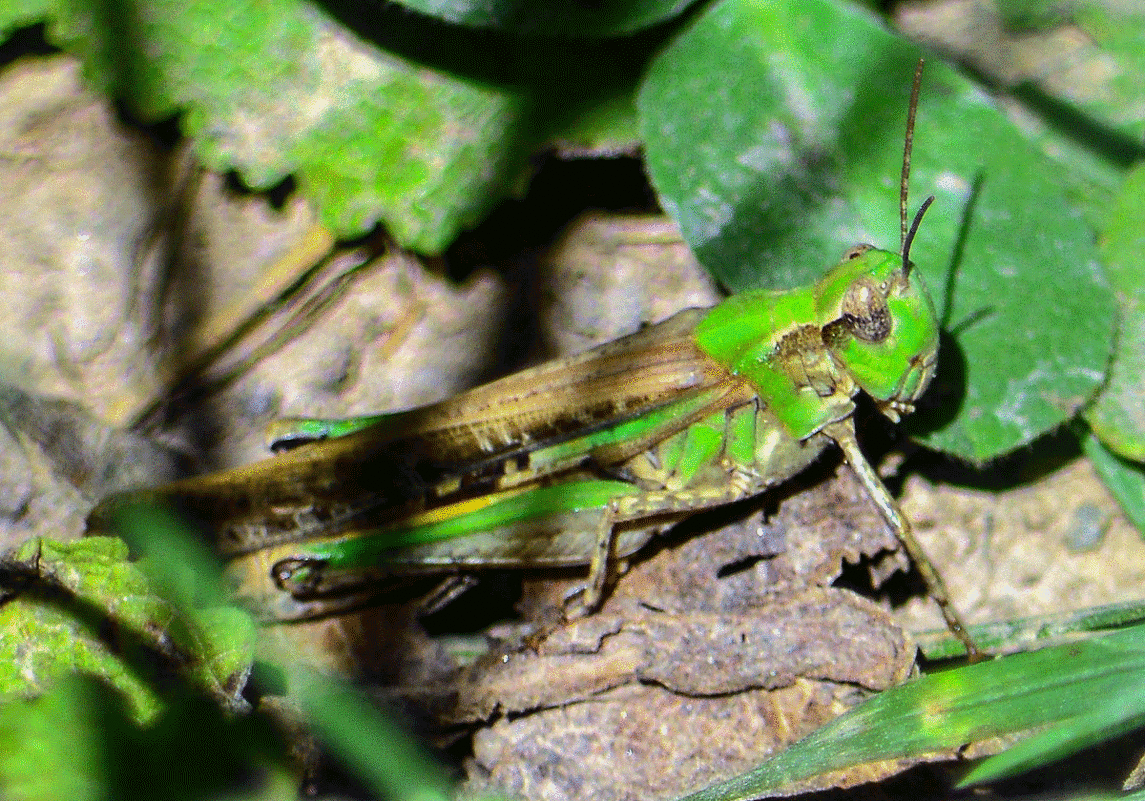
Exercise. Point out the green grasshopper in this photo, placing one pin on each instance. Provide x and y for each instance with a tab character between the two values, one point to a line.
583	460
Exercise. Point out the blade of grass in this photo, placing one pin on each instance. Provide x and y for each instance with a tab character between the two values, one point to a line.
948	710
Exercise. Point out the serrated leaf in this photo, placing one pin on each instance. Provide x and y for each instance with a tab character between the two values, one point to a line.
276	88
609	18
775	153
48	635
947	710
84	607
400	119
1118	416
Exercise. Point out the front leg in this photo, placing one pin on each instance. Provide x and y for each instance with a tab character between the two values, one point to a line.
843	432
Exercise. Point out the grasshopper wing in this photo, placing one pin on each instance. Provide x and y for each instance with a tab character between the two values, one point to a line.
460	446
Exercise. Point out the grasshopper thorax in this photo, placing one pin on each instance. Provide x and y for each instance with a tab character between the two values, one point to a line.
879	324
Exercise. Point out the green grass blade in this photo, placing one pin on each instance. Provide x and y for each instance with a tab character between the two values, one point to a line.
948	710
368	743
1116	715
1124	479
1039	631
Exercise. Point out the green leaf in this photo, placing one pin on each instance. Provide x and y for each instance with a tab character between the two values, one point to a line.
80	740
367	742
608	18
83	607
1125	480
947	710
1118	416
47	634
18	13
50	746
775	152
1120	712
280	87
87	733
403	120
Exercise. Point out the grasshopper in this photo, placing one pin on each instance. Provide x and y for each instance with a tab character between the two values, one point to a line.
581	461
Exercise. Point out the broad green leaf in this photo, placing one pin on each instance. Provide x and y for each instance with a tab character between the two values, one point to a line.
947	710
279	88
775	152
1118	416
401	119
607	18
84	607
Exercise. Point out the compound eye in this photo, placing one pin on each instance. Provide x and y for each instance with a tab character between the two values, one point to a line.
856	252
865	311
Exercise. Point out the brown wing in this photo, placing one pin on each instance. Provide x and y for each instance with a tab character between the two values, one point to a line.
324	486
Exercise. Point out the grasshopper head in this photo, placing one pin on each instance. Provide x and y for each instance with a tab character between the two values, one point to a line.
880	326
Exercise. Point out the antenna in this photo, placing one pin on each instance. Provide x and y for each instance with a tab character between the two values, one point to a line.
908	144
910	235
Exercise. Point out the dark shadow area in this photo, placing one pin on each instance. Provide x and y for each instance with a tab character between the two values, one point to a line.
552	79
496	56
1119	149
559	191
29	41
937	408
165	134
1027	465
897	590
516	234
1100	769
943	399
921	783
276	195
492	599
